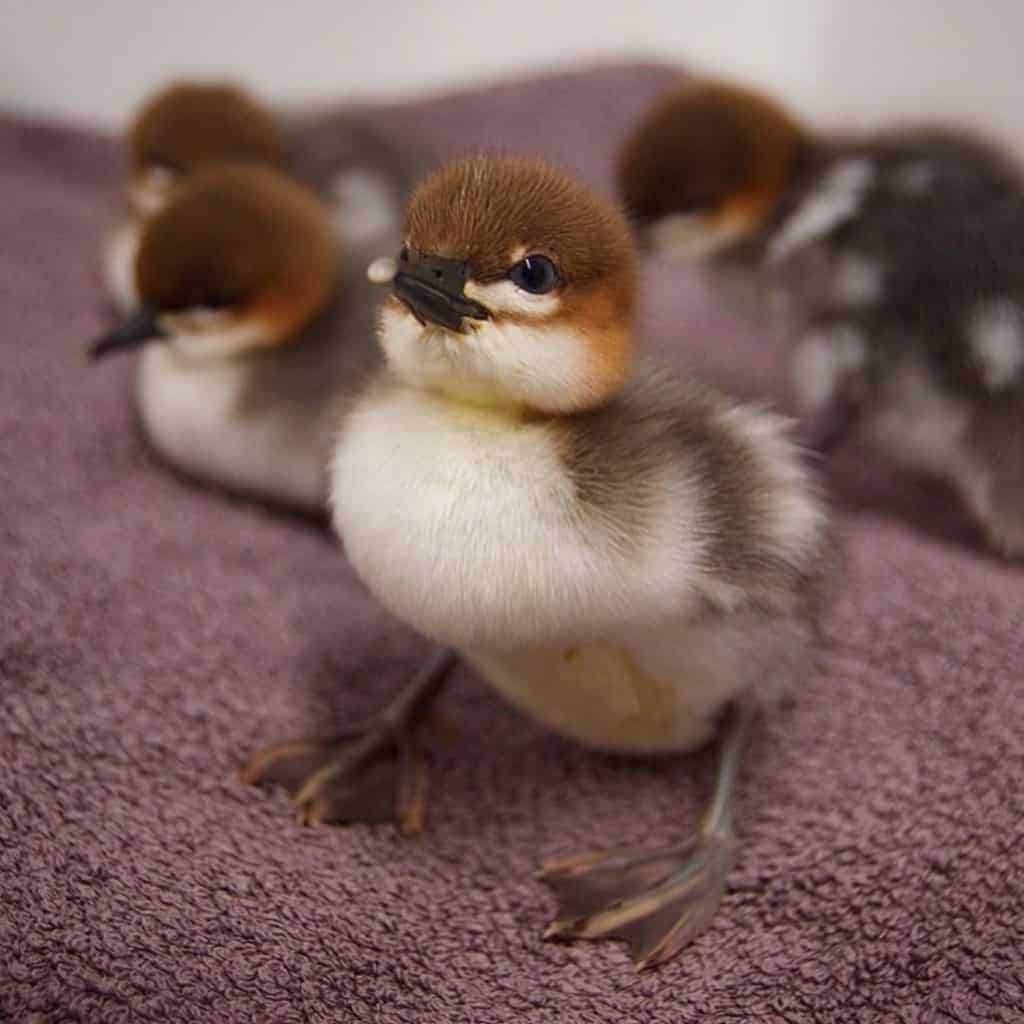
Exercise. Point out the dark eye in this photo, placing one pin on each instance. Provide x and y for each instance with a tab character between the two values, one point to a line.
535	274
404	254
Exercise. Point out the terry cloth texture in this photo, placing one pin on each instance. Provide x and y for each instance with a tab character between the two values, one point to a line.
153	633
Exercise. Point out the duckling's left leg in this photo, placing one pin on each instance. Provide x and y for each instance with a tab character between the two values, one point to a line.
371	772
656	900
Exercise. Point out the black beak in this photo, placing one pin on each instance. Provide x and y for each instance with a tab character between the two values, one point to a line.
138	328
432	288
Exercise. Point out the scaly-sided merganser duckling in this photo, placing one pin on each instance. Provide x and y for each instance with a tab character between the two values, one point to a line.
250	331
178	131
891	266
620	554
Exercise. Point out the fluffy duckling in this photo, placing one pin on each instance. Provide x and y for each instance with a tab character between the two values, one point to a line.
622	555
249	331
891	266
360	176
182	128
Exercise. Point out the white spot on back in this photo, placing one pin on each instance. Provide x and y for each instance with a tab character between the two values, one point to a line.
858	281
834	202
917	424
996	331
920	425
821	359
363	206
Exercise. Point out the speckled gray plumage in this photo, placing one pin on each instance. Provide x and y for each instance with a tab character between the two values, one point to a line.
153	633
942	246
906	309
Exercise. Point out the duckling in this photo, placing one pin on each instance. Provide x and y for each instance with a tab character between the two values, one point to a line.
622	555
890	267
182	128
250	331
359	174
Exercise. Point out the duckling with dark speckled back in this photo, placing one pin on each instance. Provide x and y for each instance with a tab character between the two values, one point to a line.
891	268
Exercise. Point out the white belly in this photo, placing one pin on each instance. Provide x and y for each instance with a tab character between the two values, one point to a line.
194	415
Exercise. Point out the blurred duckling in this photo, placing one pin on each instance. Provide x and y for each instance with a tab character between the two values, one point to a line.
891	266
361	176
623	555
250	330
181	129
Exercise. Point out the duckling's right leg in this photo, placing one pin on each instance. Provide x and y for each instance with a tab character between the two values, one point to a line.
657	900
371	772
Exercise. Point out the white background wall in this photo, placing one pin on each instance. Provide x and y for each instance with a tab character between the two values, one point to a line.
849	60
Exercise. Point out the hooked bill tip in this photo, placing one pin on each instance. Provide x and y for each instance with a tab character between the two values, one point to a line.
382	270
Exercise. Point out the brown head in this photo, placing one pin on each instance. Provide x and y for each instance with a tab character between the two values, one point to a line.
191	125
241	258
516	286
707	166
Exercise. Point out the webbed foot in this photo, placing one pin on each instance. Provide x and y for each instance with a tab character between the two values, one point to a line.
657	901
372	772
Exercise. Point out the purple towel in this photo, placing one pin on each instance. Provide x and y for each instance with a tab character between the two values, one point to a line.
153	633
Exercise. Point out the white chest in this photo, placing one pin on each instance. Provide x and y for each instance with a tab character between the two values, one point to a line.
466	525
195	415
